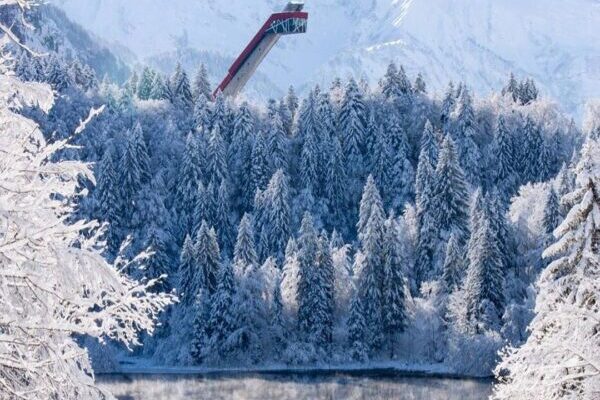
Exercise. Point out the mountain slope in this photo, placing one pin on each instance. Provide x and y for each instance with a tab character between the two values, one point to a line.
479	42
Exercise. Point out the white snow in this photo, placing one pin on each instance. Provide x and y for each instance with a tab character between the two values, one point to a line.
476	41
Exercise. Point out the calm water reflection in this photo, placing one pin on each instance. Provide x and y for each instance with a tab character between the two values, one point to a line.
292	387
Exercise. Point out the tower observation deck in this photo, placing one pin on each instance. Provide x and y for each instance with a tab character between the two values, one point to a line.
292	20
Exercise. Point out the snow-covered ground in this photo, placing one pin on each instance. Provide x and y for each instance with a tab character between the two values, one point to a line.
474	41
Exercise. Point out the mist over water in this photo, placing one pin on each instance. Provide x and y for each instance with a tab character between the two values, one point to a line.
292	387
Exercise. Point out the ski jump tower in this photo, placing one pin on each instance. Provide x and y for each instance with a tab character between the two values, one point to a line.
290	21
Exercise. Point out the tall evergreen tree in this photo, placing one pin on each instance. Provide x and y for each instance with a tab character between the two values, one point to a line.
144	89
552	217
201	84
356	331
454	265
190	276
276	214
559	359
504	158
208	257
131	176
371	280
450	193
427	230
469	154
353	115
307	254
188	184
158	265
394	307
292	101
217	157
244	254
143	158
484	281
181	92
278	146
108	196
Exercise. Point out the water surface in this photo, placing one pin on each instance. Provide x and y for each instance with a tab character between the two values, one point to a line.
293	386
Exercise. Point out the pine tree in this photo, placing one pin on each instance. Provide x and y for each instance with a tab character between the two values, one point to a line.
131	179
190	178
222	318
292	101
277	145
221	218
208	257
512	88
381	169
394	307
371	280
450	193
352	119
259	173
484	281
559	359
323	295
276	224
469	154
335	185
181	93
159	263
531	151
309	125
217	157
390	85
307	254
158	91
552	217
202	116
427	230
144	89
454	265
201	84
108	196
142	156
420	86
371	199
448	104
504	157
244	254
356	331
190	276
429	143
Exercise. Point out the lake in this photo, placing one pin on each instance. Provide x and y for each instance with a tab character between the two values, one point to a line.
293	386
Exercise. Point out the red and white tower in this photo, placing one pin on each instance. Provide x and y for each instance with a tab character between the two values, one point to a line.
291	21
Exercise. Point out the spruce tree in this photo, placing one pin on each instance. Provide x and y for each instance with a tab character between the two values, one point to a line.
277	145
485	279
335	185
454	265
221	217
394	307
353	115
390	85
276	223
202	115
158	90
356	331
108	196
323	295
188	184
469	154
181	92
552	217
504	158
448	104
259	174
201	84
420	86
190	276
244	254
426	224
371	199
131	176
307	254
217	157
143	158
208	257
292	101
158	264
559	359
144	89
371	280
450	193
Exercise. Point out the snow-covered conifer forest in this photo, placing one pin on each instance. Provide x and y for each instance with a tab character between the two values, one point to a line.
351	224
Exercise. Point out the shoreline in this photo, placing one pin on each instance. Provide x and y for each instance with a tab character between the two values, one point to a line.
375	370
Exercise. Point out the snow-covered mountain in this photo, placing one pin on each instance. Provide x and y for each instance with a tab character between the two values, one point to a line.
476	41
